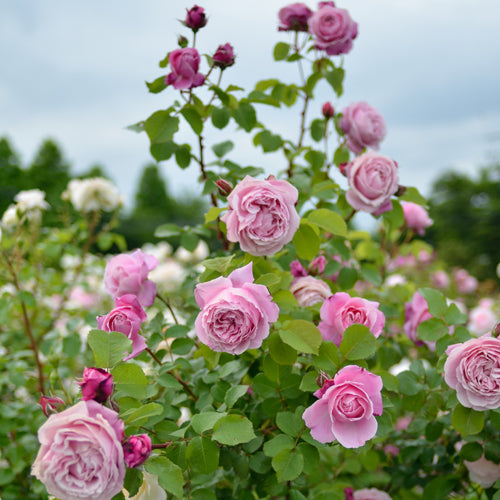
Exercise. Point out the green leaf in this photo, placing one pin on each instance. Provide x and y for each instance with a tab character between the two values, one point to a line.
163	150
176	331
341	155
467	421
471	451
408	383
193	118
203	494
183	155
280	51
288	465
454	316
317	129
302	335
222	148
157	85
130	379
347	278
328	220
189	240
133	480
219	264
168	230
161	126
269	142
233	430
439	488
282	353
220	117
202	422
234	393
245	116
170	476
109	348
135	415
435	300
328	358
306	242
27	298
202	455
212	214
432	329
278	443
289	423
335	78
358	343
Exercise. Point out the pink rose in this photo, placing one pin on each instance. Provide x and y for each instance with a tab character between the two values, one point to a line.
482	319
318	265
195	18
235	313
136	450
416	217
224	56
51	404
297	269
97	384
81	455
261	215
340	311
372	179
464	282
128	273
294	17
126	317
440	279
483	472
473	370
346	407
309	291
370	494
333	29
363	125
416	311
184	64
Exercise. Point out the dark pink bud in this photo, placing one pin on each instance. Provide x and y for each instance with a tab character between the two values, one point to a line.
496	331
224	56
348	492
136	450
294	17
50	405
321	379
401	191
318	264
327	110
97	384
195	18
224	187
343	169
297	269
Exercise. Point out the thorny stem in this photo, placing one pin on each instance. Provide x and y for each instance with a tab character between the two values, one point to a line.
169	307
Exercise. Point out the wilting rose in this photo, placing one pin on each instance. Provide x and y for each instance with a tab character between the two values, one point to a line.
416	217
294	17
373	179
333	29
235	312
126	317
195	18
224	56
473	370
340	311
261	215
363	125
483	472
309	290
346	408
81	455
128	274
136	450
97	384
184	64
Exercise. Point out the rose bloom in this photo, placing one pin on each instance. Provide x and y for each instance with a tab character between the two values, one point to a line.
440	279
481	319
32	199
473	370
363	125
417	311
346	408
128	273
149	490
97	384
309	291
416	217
235	313
97	193
483	472
184	64
340	311
224	56
464	282
81	455
372	179
261	215
370	494
333	29
126	317
294	17
195	18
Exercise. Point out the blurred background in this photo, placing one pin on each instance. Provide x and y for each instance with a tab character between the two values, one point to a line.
73	78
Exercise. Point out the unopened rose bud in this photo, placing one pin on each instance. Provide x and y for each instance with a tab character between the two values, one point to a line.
136	450
496	331
97	384
401	191
195	18
224	56
317	266
343	168
50	405
349	493
182	42
224	187
321	379
327	110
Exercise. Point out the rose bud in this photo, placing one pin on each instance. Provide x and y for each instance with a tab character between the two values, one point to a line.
349	493
224	56
195	18
182	42
496	331
97	384
327	110
224	187
136	450
50	405
343	169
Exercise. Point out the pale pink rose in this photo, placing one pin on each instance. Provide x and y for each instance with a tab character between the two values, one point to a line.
318	265
464	282
126	317
372	179
294	17
97	384
425	257
136	450
402	261
340	311
81	455
402	423
473	370
346	408
363	125
390	449
128	274
309	291
184	64
235	312
481	320
370	494
333	29
261	215
416	311
440	279
483	472
416	217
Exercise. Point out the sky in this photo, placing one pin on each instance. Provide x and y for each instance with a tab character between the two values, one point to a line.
75	72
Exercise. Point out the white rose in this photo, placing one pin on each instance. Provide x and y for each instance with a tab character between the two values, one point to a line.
9	217
197	255
149	490
93	194
33	199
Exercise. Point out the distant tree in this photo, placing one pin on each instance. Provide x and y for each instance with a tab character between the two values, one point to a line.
12	176
466	214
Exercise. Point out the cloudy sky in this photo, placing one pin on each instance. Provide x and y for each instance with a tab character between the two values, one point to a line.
75	72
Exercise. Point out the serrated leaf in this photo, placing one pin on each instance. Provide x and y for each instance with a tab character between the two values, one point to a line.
288	465
130	379
161	126
357	343
202	455
109	348
233	430
467	421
